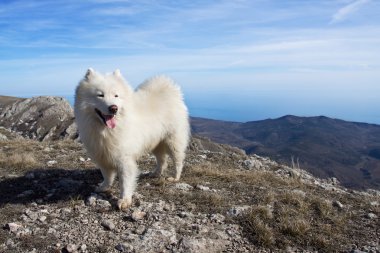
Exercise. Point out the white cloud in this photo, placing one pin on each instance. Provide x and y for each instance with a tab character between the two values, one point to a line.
347	10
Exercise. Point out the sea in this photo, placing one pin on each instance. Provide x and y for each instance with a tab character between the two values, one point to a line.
265	107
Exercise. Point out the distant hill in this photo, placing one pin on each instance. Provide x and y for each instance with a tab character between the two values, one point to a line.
326	147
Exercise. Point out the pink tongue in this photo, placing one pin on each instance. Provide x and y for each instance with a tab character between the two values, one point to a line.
110	121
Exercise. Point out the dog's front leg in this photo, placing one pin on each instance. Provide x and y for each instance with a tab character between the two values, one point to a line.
127	173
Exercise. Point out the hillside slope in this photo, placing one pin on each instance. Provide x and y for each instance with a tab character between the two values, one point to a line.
326	147
225	202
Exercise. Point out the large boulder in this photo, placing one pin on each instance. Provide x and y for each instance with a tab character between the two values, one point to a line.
40	118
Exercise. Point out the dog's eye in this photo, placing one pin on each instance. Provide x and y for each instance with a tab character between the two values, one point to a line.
100	95
116	96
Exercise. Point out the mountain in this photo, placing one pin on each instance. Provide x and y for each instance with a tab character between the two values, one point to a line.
326	147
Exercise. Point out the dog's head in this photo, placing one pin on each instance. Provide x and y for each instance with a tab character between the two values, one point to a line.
102	96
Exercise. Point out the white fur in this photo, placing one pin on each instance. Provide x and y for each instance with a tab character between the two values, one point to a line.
151	118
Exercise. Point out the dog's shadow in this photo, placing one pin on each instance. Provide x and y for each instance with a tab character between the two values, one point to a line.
46	186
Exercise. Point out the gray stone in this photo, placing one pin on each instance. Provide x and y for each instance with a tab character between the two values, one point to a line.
3	137
371	216
337	204
203	188
138	215
237	210
108	224
51	163
183	186
103	204
124	247
91	200
41	118
13	227
42	218
202	245
71	248
83	247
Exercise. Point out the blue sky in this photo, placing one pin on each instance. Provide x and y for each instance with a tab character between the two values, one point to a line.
235	60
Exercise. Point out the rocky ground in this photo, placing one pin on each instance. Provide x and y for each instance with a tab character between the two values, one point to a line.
225	202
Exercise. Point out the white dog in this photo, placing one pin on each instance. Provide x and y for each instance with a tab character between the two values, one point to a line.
117	125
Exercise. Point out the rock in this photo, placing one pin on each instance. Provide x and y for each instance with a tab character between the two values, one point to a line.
237	210
140	230
218	218
124	247
71	248
91	200
31	215
108	224
156	234
334	181
138	215
13	227
51	163
3	137
41	118
203	188
252	163
184	214
103	204
183	186
202	245
95	200
83	247
42	218
337	204
202	156
371	216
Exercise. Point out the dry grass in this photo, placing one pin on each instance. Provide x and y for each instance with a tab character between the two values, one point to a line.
295	221
28	154
18	161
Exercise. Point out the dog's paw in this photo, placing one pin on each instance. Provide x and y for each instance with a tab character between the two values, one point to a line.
172	179
124	204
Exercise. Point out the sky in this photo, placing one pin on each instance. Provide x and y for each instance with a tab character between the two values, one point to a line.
237	60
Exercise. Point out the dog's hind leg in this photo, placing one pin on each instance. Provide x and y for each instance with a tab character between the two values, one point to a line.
108	179
160	152
177	153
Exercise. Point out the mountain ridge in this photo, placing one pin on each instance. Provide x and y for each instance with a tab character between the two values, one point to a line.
324	146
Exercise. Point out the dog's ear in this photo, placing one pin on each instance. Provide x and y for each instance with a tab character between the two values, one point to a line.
89	74
117	73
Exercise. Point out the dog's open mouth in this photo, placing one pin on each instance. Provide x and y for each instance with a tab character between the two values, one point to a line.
108	120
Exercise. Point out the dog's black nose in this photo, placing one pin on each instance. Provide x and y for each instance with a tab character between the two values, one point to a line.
113	109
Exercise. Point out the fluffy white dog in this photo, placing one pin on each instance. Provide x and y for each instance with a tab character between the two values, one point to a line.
117	125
